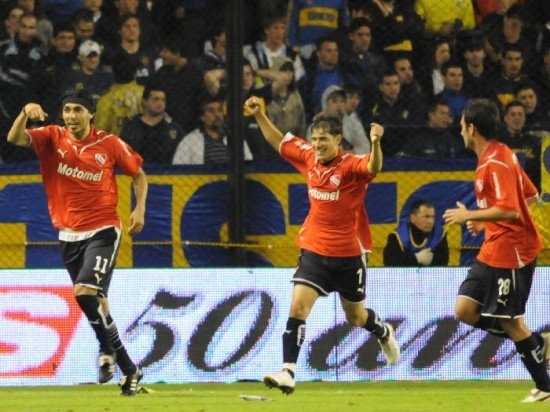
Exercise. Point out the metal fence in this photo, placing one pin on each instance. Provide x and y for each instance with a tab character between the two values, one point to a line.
219	196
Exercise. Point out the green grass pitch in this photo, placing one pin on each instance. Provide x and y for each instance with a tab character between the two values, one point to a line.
440	396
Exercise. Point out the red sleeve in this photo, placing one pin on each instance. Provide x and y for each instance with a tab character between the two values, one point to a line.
503	181
41	139
296	151
126	158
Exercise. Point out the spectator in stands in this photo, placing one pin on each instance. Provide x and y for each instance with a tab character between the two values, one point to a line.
21	63
208	143
153	133
505	83
445	17
61	11
149	33
142	55
286	109
122	101
11	22
264	54
542	79
394	113
325	73
306	26
214	52
521	142
411	90
84	26
44	27
353	100
89	74
430	77
492	12
56	65
477	74
94	6
537	121
436	140
360	66
511	32
453	94
396	27
418	241
354	139
182	81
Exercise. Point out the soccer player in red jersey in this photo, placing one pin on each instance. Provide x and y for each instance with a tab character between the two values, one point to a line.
335	236
494	294
77	164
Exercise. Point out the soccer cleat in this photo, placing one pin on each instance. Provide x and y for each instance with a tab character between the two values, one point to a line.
537	395
390	347
546	347
107	367
129	383
282	380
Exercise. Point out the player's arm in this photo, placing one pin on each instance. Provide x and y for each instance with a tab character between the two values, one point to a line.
375	161
17	134
137	217
492	214
273	135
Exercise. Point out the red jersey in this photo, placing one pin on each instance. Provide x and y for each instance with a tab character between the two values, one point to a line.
500	181
79	176
337	224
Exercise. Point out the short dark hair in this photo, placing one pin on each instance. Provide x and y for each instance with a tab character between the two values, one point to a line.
484	115
152	87
62	27
81	96
437	100
387	73
450	64
417	204
329	124
512	104
508	47
359	22
526	85
206	101
125	17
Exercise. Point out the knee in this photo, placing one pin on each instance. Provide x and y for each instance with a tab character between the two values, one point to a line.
298	310
84	290
356	319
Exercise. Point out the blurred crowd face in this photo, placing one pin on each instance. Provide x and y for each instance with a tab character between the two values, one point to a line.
454	79
155	104
512	62
26	32
352	102
27	5
84	30
130	30
475	57
424	218
89	63
404	70
328	55
336	106
442	54
390	88
361	39
528	98
213	117
12	21
511	28
93	5
440	118
169	58
515	119
64	42
248	77
127	6
219	44
275	34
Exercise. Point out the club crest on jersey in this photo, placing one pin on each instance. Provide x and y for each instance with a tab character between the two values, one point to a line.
335	180
100	158
479	185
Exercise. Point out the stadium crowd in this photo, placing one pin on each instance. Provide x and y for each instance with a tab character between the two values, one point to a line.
157	70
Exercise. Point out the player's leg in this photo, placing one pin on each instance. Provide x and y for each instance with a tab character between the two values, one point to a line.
350	280
85	291
311	280
471	296
303	299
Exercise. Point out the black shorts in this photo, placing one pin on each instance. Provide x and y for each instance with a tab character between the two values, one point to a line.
90	262
501	293
345	275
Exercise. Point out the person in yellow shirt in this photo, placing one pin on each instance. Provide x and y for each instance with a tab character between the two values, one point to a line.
445	17
122	101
